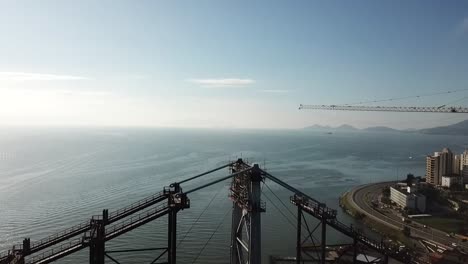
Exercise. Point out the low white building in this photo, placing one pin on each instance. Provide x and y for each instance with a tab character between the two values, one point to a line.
404	197
448	181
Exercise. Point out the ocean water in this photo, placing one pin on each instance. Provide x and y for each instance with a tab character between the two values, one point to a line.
51	179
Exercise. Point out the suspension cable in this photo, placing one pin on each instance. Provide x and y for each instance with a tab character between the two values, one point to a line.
212	234
285	206
452	102
281	212
206	172
196	221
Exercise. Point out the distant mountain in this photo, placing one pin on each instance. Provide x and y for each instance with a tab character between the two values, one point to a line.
318	127
410	130
349	128
346	127
455	129
329	128
460	128
381	129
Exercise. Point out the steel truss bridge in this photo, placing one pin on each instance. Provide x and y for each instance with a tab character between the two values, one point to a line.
245	193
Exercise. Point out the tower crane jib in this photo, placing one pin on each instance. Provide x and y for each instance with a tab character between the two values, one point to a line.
419	109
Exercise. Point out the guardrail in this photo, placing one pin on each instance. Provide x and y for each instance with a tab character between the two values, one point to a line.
317	212
56	252
60	236
143	203
85	226
125	226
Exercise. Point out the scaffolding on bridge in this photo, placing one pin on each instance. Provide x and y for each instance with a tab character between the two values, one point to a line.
245	193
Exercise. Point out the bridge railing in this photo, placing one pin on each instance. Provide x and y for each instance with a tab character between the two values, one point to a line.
3	256
136	218
318	209
75	244
85	225
59	249
384	248
122	211
79	228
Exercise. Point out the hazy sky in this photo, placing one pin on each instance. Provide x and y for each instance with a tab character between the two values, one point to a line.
232	64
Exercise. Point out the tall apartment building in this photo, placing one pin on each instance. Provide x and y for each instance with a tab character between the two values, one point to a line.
441	164
456	166
432	170
446	162
464	166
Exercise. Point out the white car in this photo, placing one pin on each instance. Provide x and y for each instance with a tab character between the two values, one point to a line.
454	245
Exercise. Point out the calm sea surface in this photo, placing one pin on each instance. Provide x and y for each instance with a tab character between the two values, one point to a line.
51	179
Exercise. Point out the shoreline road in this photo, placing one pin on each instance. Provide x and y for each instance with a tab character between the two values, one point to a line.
360	199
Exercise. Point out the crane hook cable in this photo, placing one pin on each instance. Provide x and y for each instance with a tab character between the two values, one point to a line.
406	97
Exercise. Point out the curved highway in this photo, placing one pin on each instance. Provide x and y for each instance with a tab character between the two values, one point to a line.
360	198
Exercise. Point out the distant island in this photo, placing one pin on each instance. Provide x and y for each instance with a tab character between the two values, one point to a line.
460	128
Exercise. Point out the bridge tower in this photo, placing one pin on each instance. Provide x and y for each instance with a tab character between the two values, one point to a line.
246	218
97	238
176	201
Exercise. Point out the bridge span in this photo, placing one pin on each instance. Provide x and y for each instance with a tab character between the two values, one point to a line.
245	193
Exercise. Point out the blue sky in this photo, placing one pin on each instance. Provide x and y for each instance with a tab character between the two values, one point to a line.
227	64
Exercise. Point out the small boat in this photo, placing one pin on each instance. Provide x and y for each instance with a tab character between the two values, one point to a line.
329	133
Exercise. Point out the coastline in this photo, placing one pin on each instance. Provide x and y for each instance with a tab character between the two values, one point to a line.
383	228
359	203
